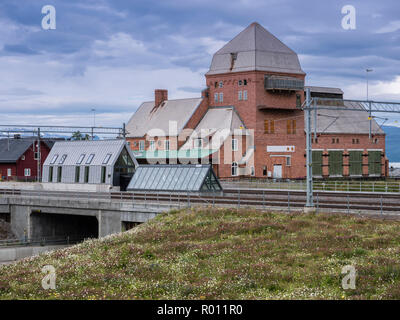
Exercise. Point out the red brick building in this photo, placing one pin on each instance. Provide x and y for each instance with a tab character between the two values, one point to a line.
19	158
248	121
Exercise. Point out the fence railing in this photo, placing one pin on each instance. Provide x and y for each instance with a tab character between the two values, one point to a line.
350	186
42	241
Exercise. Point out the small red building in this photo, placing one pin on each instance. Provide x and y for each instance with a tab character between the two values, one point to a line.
19	158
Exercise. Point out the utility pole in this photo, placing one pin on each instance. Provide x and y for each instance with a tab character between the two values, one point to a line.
369	102
39	157
309	201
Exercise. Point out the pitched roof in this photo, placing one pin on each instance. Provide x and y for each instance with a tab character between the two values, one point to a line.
175	178
344	121
218	123
74	149
12	149
324	89
256	49
147	117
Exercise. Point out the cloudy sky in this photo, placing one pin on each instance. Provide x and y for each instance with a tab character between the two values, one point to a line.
111	54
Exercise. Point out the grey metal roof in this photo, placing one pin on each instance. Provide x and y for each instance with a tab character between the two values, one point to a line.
74	149
148	117
12	149
256	49
348	121
218	122
174	178
324	89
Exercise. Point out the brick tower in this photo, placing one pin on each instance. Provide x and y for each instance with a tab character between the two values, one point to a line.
262	78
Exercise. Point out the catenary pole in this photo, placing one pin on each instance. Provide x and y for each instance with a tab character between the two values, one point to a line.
309	200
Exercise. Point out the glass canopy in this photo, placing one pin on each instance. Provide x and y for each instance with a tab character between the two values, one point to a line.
175	178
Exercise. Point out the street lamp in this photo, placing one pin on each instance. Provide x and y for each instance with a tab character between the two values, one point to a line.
368	70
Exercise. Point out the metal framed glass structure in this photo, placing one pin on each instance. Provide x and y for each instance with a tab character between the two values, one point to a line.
175	178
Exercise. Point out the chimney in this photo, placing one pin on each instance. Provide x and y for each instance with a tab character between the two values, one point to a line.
160	95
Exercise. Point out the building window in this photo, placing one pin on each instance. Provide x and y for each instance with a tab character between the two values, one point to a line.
244	94
90	158
59	174
141	145
23	158
291	126
77	174
337	140
215	84
221	84
234	169
333	140
50	174
36	156
245	82
103	174
53	161
376	141
221	97
9	172
81	157
62	160
198	143
107	158
87	174
288	161
27	172
298	101
234	145
252	171
269	126
152	146
240	82
239	95
215	97
265	171
166	145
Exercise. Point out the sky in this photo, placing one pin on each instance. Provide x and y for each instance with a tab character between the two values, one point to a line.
110	55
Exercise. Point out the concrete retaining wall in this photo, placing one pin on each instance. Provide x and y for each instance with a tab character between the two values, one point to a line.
38	186
17	253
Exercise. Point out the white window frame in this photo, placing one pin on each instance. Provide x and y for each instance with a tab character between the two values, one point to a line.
141	145
9	172
234	169
166	145
152	145
235	145
221	97
245	95
240	95
216	97
27	172
53	161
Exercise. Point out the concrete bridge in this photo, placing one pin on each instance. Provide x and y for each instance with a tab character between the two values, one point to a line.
40	215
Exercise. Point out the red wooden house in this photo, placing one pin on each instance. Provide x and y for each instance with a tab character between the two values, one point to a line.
19	158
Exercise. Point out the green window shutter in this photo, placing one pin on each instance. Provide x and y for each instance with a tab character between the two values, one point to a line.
317	163
335	163
374	162
355	161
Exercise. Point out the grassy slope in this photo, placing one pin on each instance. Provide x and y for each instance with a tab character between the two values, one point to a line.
222	253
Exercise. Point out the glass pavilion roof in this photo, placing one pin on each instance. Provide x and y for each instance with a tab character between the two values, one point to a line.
175	178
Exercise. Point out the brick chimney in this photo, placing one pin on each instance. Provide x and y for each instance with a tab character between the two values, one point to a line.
160	95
